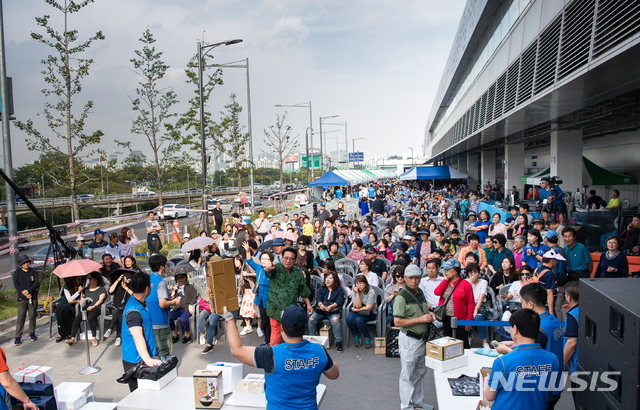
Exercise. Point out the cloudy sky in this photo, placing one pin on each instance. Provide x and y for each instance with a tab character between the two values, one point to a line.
376	64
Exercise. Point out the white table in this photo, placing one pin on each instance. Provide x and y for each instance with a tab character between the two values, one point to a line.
446	399
179	395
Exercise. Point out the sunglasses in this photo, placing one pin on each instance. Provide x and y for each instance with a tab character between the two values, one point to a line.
399	276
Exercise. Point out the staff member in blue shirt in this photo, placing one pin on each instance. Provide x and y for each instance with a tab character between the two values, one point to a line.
292	369
572	295
544	275
138	340
578	257
528	374
159	304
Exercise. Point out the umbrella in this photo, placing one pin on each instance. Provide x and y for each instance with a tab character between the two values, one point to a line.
185	269
198	242
79	267
286	235
266	246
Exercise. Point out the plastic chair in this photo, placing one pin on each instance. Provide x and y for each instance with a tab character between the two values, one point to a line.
386	262
346	270
379	322
316	281
182	262
348	262
52	308
177	253
144	266
503	291
348	281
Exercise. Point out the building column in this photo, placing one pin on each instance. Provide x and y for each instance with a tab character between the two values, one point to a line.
462	164
513	167
488	167
566	158
472	170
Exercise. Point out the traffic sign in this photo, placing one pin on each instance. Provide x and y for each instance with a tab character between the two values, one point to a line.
356	156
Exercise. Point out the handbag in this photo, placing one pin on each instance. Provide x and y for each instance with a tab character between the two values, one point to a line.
432	332
364	313
441	310
488	312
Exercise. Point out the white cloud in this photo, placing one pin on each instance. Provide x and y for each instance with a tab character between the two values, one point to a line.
376	64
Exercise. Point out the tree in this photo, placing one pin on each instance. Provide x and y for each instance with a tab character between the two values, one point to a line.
63	73
278	138
153	105
190	120
233	140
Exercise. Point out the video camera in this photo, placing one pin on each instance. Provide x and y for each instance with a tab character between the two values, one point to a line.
554	181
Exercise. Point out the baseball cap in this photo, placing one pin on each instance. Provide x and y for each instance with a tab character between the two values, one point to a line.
450	264
113	235
551	234
293	315
538	221
368	248
278	242
270	216
553	254
186	235
545	179
23	259
99	231
412	271
80	239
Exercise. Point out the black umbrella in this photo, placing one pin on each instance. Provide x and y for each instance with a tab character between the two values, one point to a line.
184	269
266	246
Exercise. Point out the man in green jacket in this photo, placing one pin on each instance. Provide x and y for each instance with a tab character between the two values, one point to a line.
286	284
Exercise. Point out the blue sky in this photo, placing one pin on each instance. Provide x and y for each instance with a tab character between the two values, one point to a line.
376	64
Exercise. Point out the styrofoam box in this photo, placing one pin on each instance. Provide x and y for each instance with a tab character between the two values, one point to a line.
231	373
71	400
247	395
34	374
99	406
321	340
86	388
157	384
444	366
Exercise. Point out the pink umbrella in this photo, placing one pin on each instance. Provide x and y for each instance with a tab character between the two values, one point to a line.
285	235
79	267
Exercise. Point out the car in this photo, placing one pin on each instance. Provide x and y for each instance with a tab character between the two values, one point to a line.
265	193
212	203
289	187
174	211
40	256
258	186
84	197
23	243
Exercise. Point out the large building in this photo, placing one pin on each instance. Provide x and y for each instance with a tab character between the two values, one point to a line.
536	84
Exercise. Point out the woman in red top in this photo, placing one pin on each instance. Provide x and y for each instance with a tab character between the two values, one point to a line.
460	304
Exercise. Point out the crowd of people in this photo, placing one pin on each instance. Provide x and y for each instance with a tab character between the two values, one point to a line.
412	247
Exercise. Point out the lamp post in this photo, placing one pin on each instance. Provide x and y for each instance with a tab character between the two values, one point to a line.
346	143
411	148
325	143
353	142
308	132
201	55
234	64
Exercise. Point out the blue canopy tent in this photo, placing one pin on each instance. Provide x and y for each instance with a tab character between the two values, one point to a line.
329	179
439	172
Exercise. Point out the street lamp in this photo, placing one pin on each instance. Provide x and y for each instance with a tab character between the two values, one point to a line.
234	64
411	148
208	47
346	143
337	147
308	132
321	138
353	142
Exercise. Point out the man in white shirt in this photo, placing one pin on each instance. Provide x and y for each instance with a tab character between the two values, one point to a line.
262	225
429	283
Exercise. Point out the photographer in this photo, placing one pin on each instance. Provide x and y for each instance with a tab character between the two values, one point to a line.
551	196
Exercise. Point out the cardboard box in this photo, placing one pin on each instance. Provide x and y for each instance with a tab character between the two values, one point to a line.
380	345
86	388
231	373
71	399
484	375
326	331
250	391
445	348
483	404
446	365
221	277
35	374
207	388
321	340
99	406
158	384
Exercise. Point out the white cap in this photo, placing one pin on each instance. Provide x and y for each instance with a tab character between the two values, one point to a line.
186	235
553	254
270	216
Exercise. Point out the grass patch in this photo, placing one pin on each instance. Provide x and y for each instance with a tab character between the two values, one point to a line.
8	308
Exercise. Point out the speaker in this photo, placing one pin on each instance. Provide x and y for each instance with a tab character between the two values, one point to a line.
609	338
